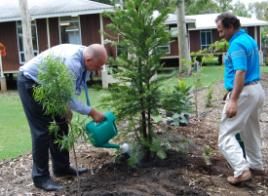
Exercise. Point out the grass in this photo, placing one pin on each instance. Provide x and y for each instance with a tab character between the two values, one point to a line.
209	75
15	136
14	133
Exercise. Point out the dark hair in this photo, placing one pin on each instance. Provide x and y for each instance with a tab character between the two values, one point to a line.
228	19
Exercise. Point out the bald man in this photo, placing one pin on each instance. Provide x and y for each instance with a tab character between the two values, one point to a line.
79	60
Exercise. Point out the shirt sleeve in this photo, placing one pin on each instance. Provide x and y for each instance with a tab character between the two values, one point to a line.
75	104
79	106
238	56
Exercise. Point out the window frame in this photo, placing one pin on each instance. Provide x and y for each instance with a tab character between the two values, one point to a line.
203	46
60	19
19	36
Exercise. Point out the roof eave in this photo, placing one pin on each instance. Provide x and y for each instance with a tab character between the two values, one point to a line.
62	14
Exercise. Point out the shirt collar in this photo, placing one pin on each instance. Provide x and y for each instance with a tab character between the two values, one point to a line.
238	33
82	59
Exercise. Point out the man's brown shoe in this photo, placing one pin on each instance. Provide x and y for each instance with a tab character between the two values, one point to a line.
245	176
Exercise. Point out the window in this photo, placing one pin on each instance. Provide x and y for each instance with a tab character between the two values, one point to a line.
164	48
70	30
20	41
174	32
206	38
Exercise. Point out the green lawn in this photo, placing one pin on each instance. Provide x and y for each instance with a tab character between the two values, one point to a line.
15	136
14	131
209	75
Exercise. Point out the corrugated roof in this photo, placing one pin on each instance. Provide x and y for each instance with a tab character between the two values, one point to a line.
207	21
50	8
172	19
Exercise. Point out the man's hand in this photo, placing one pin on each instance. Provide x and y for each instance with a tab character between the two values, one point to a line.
231	109
97	116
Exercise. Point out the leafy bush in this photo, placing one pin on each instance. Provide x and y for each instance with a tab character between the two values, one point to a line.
56	86
210	60
179	99
54	92
209	97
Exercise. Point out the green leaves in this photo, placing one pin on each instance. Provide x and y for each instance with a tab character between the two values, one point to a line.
141	29
56	86
178	100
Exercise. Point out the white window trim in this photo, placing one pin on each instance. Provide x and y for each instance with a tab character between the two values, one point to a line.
18	44
79	27
166	45
210	31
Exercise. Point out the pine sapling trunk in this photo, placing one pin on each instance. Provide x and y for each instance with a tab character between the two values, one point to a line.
149	128
77	173
143	113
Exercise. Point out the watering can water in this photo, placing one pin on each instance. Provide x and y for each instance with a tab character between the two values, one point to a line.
101	133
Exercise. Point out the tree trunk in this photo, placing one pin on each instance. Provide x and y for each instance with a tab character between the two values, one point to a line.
26	30
185	64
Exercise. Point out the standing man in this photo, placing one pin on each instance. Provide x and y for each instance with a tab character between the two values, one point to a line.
79	60
244	100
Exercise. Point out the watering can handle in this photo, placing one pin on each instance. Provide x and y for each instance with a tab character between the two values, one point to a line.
98	123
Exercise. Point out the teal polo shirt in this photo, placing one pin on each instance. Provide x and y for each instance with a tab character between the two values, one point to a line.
242	55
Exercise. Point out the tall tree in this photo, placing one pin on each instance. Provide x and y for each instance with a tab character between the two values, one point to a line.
184	52
200	7
260	9
224	5
137	97
240	9
26	30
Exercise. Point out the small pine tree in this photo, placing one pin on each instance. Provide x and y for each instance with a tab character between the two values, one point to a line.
141	29
54	92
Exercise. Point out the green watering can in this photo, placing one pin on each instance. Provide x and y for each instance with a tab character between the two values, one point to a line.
100	133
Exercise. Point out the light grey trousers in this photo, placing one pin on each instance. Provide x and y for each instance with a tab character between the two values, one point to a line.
246	122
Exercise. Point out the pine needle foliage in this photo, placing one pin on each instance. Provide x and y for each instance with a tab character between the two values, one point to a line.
56	86
141	29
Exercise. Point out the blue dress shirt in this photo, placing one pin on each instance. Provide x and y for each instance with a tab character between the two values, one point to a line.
242	55
72	56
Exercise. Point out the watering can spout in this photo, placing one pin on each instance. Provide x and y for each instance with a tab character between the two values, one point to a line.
108	145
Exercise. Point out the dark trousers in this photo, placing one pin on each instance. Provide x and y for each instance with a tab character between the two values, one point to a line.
42	141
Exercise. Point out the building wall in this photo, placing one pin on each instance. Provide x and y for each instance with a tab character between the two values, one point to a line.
8	37
42	34
174	47
54	31
194	40
90	29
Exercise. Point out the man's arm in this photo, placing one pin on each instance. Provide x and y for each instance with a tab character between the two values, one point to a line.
81	108
238	86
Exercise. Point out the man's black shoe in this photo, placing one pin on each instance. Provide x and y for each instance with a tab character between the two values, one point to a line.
70	172
48	184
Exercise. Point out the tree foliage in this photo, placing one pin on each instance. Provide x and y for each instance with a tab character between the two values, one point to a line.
200	7
224	5
56	87
240	9
137	97
260	9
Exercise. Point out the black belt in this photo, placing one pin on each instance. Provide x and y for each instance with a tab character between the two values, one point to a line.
251	83
21	74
